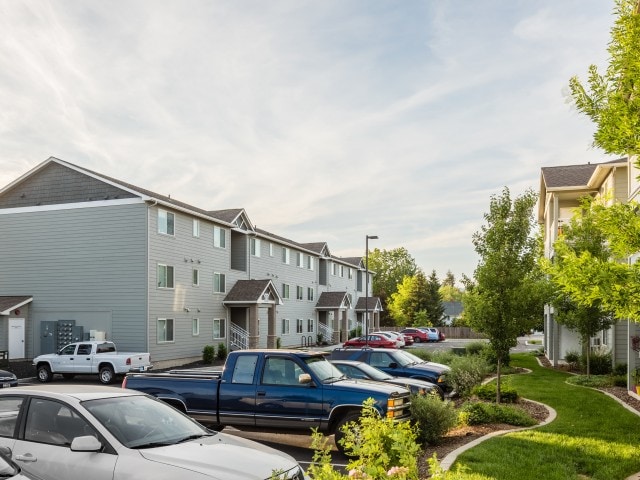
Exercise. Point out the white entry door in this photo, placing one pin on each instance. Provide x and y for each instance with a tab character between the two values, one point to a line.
16	338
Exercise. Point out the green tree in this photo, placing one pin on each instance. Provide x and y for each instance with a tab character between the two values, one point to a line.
611	99
448	290
602	279
390	267
408	306
581	237
508	291
433	301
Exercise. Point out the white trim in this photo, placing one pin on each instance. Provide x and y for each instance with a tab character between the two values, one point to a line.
71	206
18	305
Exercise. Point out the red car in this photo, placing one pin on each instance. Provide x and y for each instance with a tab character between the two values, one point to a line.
374	341
417	334
408	339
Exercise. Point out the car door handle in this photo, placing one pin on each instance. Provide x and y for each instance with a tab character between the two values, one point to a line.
261	393
26	458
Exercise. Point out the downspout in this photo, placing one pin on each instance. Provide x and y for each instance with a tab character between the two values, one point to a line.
149	207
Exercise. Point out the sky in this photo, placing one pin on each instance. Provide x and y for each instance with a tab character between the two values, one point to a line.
327	121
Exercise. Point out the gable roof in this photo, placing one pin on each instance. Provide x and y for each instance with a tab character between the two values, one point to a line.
585	178
333	301
9	303
253	291
373	304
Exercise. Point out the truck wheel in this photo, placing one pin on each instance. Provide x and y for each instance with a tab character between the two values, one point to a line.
339	434
68	376
44	374
106	375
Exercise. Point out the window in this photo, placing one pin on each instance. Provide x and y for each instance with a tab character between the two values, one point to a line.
309	262
281	371
219	283
350	273
286	255
195	327
334	269
245	369
299	293
342	271
195	277
196	227
219	237
219	328
255	247
271	249
299	325
165	276
299	259
285	326
310	294
165	330
54	423
9	409
285	290
166	222
310	325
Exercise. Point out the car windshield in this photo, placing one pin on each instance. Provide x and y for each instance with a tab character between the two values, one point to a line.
373	373
323	369
403	358
139	421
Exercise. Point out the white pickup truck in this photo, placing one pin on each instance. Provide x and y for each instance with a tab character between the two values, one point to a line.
91	357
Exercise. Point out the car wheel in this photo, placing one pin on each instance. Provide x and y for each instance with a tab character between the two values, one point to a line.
106	375
416	339
339	434
44	374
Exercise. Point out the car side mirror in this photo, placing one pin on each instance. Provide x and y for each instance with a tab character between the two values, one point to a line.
304	378
87	443
393	365
6	451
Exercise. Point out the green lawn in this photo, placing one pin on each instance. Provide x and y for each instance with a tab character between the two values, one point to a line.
593	437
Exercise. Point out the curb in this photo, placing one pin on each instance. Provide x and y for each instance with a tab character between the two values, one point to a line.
448	460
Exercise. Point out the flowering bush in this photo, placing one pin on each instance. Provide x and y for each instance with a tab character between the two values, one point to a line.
381	449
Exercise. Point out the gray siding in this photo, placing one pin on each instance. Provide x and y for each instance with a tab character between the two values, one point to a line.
185	252
56	184
86	264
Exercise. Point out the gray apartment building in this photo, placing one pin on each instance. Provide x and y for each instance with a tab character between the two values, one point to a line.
84	255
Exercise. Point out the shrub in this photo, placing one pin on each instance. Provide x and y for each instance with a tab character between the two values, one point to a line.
487	392
433	417
355	332
422	353
593	381
381	448
476	348
620	369
208	353
572	358
222	351
444	357
619	380
278	342
478	413
466	373
599	361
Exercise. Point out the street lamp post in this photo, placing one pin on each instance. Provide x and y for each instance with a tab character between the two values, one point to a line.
366	288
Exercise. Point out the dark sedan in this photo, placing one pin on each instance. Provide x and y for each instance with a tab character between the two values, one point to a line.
361	370
8	379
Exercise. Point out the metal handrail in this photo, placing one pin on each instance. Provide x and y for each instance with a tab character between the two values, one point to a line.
238	337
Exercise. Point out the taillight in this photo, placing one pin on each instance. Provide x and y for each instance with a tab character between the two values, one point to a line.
128	362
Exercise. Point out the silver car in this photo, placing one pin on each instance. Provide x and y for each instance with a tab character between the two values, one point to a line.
80	432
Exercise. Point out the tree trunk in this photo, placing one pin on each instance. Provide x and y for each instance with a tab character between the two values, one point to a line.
498	380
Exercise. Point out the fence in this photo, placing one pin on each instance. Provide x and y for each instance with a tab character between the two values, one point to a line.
449	332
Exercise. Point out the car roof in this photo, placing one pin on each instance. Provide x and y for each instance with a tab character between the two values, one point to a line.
79	392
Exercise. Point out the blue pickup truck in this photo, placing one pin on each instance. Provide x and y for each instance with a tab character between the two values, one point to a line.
273	390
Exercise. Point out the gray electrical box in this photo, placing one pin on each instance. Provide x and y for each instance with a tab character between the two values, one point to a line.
48	336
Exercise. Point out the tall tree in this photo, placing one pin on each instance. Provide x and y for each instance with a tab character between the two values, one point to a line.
612	99
435	308
390	267
408	306
508	292
581	237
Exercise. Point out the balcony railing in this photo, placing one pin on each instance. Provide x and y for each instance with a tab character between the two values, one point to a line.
239	338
